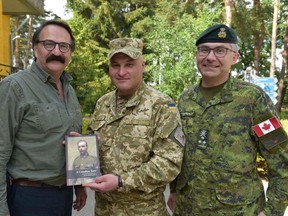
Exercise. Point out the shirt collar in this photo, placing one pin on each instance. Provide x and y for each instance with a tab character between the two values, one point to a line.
45	77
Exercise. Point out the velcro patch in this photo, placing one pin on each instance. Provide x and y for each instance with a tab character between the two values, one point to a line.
269	131
266	126
274	139
178	136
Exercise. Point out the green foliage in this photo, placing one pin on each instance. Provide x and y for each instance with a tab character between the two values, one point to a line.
94	24
170	44
246	22
88	66
169	29
85	124
25	45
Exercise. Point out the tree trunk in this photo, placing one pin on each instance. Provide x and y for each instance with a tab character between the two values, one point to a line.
274	37
16	51
228	8
259	34
29	37
282	86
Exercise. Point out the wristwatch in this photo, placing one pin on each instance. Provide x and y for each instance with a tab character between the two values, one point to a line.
120	183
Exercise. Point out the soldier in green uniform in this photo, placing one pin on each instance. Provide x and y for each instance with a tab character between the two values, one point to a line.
141	138
226	123
83	162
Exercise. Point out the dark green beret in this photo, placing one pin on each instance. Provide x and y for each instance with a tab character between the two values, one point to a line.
219	33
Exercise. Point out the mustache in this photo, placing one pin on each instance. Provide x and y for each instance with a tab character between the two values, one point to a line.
55	58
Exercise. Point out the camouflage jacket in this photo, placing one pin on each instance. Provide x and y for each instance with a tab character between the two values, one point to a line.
144	144
219	166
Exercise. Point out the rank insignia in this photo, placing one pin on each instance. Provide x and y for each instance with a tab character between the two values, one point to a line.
203	138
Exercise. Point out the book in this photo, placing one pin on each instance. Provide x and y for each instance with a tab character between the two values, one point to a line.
82	159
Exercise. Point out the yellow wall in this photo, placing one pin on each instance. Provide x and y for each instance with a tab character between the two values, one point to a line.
4	43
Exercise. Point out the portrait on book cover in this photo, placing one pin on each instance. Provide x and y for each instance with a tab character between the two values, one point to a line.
82	159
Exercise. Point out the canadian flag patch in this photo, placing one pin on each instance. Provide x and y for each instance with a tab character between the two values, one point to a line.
266	126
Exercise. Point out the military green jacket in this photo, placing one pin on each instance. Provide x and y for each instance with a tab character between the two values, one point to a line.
219	173
144	144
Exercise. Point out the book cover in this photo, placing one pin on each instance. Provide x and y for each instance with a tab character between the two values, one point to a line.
82	159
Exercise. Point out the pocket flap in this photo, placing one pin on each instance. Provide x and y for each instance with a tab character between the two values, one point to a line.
239	194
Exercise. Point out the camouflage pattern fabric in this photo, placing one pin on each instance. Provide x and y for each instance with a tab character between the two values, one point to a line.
219	175
130	46
144	144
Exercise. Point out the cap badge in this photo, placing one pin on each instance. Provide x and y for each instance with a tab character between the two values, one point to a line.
123	43
222	33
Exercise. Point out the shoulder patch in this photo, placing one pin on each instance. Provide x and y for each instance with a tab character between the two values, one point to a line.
266	126
178	136
274	139
270	132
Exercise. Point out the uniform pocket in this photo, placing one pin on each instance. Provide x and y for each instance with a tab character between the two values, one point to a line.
137	128
240	195
135	146
96	124
48	116
136	131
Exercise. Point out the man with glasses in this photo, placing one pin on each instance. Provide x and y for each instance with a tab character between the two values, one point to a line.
227	122
38	109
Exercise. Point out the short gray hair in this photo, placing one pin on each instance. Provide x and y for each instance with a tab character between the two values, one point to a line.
235	47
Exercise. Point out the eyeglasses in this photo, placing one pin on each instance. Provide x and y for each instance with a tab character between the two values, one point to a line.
50	45
219	52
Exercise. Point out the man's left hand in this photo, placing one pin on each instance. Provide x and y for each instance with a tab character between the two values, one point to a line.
81	197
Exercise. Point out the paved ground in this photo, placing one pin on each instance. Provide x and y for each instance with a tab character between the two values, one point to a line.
88	210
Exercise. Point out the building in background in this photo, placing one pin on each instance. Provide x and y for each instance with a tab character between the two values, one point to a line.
10	8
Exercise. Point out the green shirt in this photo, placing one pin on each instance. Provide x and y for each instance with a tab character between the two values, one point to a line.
219	173
34	120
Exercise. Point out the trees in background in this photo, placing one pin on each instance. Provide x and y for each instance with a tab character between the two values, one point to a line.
263	23
169	29
22	29
282	85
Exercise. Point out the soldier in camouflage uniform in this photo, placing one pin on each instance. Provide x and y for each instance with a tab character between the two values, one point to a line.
141	139
84	161
226	123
